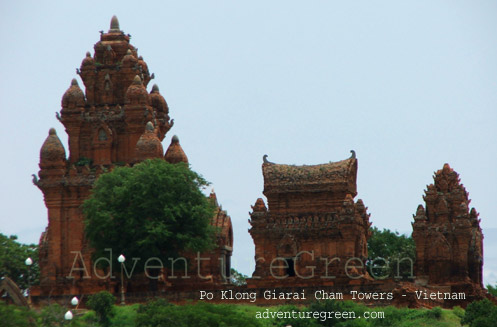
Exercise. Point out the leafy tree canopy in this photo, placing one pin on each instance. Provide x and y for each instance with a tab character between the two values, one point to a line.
492	290
12	315
237	278
103	305
153	209
12	261
480	314
393	247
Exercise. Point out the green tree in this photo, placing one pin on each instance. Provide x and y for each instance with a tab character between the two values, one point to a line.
153	209
12	261
480	314
397	249
103	305
13	315
492	290
237	278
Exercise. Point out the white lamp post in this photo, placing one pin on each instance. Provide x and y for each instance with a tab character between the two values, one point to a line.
68	315
28	263
121	260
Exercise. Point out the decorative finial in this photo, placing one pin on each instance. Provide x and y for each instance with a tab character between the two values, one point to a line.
149	127
155	88
353	156
74	82
264	158
88	54
420	211
137	80
35	179
175	153
114	24
52	131
129	53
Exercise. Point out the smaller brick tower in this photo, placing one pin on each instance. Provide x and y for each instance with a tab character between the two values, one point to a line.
448	237
312	224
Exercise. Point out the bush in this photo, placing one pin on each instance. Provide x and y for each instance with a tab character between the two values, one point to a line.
480	314
434	313
125	316
52	316
12	315
458	311
103	305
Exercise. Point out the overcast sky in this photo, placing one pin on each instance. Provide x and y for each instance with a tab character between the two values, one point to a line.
409	87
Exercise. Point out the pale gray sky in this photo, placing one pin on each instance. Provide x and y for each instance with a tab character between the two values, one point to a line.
409	86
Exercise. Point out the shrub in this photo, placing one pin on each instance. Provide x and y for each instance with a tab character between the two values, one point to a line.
458	311
434	313
15	316
480	314
103	305
52	316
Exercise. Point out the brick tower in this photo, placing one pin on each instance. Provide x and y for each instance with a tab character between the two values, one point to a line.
448	237
312	224
114	122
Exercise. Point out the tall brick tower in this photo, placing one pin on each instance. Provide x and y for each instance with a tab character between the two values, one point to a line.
114	122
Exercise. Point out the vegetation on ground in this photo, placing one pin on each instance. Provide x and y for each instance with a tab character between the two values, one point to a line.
160	313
